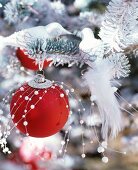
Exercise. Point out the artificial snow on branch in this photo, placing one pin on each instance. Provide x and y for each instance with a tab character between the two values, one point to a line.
44	42
120	65
119	23
17	11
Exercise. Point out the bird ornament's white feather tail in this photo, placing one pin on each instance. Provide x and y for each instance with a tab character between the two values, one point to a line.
99	82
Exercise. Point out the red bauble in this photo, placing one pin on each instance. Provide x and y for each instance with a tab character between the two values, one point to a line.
28	62
39	112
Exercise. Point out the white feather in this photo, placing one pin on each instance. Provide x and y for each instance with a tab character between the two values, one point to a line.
98	79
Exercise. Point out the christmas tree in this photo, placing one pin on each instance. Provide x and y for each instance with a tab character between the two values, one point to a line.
68	91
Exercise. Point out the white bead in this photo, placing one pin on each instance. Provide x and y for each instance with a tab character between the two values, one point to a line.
83	155
14	104
9	152
61	95
32	106
40	98
100	149
26	98
84	109
130	105
22	68
93	98
62	142
70	112
8	132
21	88
20	96
79	110
13	116
4	140
6	149
36	92
104	144
61	86
60	151
67	140
105	159
72	90
25	111
25	123
81	122
67	106
23	116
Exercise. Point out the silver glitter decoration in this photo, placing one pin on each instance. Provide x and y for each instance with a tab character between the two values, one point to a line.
40	82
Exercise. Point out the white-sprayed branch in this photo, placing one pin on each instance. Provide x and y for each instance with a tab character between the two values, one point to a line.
119	24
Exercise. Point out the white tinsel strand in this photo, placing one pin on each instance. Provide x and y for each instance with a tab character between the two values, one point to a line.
98	79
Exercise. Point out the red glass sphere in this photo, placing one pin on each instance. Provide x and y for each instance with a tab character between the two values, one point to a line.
39	112
27	62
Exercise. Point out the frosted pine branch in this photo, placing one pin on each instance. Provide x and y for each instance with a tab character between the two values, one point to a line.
120	65
16	11
119	24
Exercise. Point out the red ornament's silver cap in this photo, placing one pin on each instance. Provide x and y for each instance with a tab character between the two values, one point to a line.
40	82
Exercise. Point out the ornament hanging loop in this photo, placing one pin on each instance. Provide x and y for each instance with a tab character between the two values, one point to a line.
40	72
41	64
